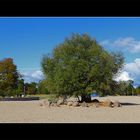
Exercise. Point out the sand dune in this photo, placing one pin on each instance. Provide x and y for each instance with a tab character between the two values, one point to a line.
31	112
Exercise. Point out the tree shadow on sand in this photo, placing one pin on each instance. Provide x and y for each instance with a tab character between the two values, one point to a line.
126	103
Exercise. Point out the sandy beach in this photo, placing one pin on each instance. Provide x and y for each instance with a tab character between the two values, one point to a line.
32	112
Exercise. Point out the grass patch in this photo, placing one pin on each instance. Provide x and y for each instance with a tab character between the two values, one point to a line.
43	96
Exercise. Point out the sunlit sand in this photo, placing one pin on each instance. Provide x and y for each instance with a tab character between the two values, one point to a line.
32	112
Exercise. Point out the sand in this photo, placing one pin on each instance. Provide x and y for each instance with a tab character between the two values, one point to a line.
32	112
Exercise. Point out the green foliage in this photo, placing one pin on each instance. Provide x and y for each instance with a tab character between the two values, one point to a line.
42	87
20	87
2	93
79	66
123	88
53	98
8	77
137	90
41	96
31	88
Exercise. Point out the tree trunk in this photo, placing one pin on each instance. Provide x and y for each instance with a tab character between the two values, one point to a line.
64	98
78	98
85	98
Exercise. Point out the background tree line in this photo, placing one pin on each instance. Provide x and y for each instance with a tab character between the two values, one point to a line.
77	67
12	84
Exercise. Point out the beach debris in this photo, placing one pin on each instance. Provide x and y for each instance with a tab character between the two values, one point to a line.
65	103
72	99
84	104
95	105
60	102
45	102
116	104
49	103
107	103
54	104
70	103
40	104
75	104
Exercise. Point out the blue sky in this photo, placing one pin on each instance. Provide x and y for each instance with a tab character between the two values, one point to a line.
27	39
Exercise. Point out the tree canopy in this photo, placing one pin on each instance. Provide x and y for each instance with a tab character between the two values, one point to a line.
80	66
8	76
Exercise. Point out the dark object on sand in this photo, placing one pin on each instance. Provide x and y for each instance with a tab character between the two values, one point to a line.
95	101
20	99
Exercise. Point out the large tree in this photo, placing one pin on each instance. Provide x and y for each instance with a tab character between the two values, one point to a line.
8	76
80	66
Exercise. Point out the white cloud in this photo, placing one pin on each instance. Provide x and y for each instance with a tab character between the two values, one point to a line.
128	43
32	76
125	42
123	76
134	67
131	71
